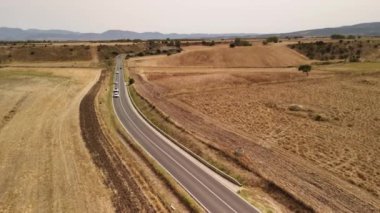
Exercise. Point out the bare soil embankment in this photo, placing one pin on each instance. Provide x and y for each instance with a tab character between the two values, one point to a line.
225	57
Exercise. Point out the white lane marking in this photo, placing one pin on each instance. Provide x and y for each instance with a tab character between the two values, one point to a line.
129	102
169	156
179	182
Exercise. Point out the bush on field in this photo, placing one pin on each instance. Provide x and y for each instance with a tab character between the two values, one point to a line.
272	39
305	68
337	36
240	42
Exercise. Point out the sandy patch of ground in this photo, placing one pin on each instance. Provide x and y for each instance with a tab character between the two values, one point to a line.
44	164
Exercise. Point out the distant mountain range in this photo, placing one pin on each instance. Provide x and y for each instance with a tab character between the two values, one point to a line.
16	34
365	29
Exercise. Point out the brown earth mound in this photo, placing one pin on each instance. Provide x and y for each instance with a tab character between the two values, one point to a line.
222	56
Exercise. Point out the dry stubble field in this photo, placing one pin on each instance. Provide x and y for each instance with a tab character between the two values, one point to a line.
324	129
44	164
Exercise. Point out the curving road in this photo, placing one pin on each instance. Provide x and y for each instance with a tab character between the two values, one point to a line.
207	190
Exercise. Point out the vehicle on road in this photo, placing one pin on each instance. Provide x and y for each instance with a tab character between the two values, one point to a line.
116	94
116	89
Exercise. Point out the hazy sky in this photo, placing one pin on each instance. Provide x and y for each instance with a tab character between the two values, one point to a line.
187	16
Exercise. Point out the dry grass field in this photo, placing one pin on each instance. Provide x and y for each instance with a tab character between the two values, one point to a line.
44	164
316	137
222	56
61	149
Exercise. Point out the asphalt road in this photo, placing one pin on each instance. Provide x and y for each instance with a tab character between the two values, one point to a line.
202	186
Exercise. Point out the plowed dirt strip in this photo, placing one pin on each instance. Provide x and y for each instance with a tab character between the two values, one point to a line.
127	197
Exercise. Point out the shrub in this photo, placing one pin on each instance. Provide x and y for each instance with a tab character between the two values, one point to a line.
319	43
131	81
273	39
206	43
239	42
354	58
337	36
305	68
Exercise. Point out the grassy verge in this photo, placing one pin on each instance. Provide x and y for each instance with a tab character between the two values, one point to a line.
163	122
112	124
248	195
166	177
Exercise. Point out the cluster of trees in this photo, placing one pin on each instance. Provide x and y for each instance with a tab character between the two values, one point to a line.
272	39
208	43
339	37
349	50
172	43
239	42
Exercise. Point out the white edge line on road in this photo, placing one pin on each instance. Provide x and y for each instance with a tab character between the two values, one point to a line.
176	162
199	202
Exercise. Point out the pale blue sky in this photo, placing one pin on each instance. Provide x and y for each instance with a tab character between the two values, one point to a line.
191	16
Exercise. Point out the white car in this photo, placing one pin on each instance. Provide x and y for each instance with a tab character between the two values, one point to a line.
116	94
116	89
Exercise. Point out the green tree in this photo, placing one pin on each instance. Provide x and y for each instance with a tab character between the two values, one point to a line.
305	68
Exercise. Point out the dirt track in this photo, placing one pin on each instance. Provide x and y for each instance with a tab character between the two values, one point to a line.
127	196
